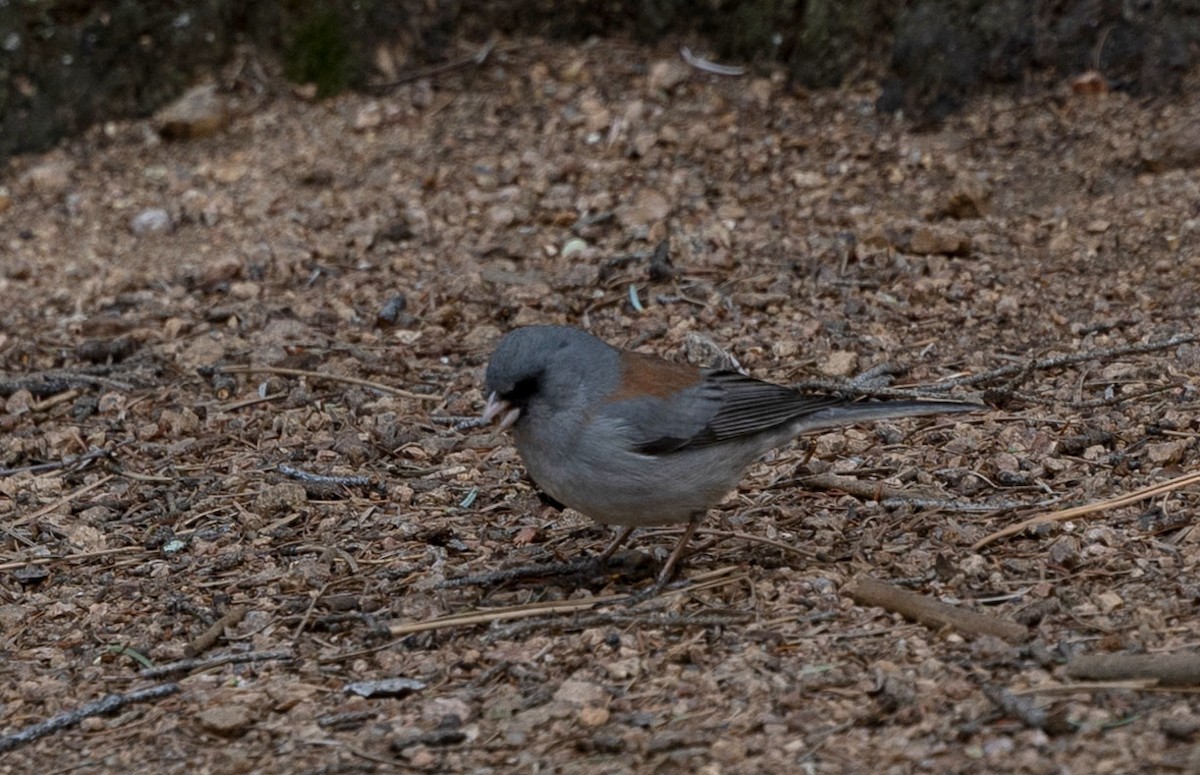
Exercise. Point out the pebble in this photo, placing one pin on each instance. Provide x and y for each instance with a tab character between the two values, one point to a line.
840	363
49	177
285	496
152	221
199	112
666	74
225	720
933	240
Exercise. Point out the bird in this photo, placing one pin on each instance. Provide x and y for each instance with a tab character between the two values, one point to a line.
634	440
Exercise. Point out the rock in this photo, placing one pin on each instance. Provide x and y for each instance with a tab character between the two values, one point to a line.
1177	148
593	716
840	363
934	240
501	215
50	177
666	74
581	693
200	112
1167	452
369	116
152	221
226	720
647	206
282	497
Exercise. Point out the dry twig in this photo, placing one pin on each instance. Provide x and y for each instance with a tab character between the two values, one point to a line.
100	707
1059	361
931	612
1090	508
1181	669
194	665
317	375
207	638
322	479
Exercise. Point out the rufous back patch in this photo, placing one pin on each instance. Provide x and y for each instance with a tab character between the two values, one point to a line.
647	375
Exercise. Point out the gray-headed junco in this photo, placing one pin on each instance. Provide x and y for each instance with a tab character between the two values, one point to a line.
634	440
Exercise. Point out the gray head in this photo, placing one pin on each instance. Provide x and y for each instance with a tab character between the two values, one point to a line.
543	369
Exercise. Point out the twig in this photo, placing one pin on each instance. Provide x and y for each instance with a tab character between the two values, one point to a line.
520	572
62	501
964	507
1093	403
322	479
703	531
68	557
471	618
1181	669
709	67
931	612
476	59
107	704
1058	361
207	638
328	378
1023	708
620	617
867	490
1090	508
1139	684
460	423
52	383
193	665
70	460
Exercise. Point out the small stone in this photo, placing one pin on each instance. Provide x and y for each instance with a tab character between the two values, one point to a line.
840	363
729	750
646	207
389	313
225	720
593	716
200	112
666	74
501	215
1167	452
932	240
49	177
282	497
1109	601
369	116
580	693
573	247
152	221
245	290
808	179
19	402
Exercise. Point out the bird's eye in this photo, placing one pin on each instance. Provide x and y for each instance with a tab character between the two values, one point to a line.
522	391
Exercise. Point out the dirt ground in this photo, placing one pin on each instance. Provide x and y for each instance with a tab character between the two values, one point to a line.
150	512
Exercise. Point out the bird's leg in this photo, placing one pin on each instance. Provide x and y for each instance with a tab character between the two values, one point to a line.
668	569
621	538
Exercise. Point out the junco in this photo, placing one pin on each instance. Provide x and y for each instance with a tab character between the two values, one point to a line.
634	440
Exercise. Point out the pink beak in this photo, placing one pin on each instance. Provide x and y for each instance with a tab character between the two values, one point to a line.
497	407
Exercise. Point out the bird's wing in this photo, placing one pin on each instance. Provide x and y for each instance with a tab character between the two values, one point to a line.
719	406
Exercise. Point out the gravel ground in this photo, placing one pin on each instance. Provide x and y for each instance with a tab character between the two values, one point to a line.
316	287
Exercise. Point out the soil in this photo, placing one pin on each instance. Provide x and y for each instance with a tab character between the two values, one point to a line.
358	257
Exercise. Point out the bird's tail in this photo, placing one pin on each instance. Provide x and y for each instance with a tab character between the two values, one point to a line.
869	411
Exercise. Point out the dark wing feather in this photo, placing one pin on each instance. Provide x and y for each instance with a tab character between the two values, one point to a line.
750	406
724	405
